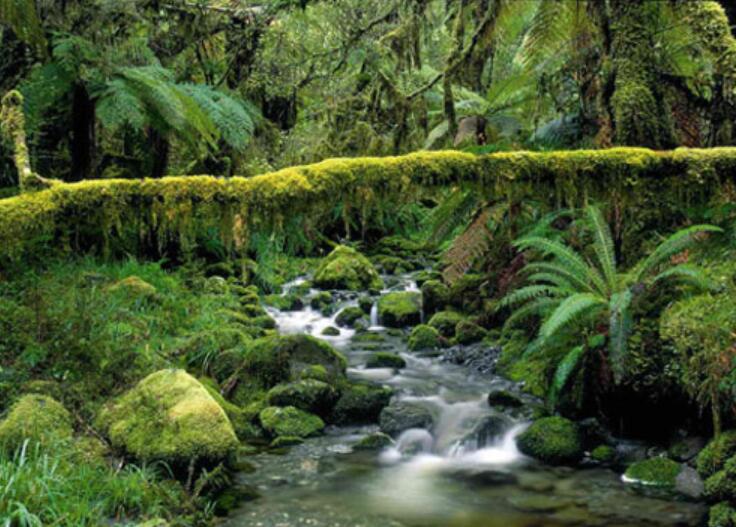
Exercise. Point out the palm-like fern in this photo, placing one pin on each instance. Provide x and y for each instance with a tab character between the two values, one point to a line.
567	289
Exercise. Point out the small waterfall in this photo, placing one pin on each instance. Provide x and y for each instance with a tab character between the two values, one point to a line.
374	315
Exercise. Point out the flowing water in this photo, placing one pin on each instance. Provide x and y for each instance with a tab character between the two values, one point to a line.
462	471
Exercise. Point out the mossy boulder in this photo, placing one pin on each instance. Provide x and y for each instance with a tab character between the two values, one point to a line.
375	441
721	486
400	309
242	419
435	296
310	395
346	268
467	332
331	331
464	293
714	456
424	337
401	416
37	418
287	302
722	515
322	301
445	322
169	416
282	358
392	264
554	440
316	372
289	421
383	359
349	316
504	398
659	472
360	403
603	454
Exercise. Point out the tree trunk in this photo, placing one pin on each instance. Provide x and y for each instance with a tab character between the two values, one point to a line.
82	143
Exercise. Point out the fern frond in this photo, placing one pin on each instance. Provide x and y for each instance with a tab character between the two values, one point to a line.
686	273
620	329
565	369
673	245
568	258
538	307
576	282
603	245
551	278
571	309
525	294
451	213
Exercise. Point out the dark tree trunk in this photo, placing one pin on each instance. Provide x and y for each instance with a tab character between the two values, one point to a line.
82	144
160	153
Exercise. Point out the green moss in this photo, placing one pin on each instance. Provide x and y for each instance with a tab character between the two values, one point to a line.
360	403
401	309
603	454
435	296
348	316
241	419
391	264
375	441
554	440
169	416
37	418
655	472
385	360
310	395
134	288
316	372
346	268
445	322
714	456
722	515
290	422
321	301
287	302
424	337
467	332
330	331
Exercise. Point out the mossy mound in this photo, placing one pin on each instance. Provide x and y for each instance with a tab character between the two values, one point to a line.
346	268
714	456
424	337
658	472
467	332
242	419
721	486
322	301
554	440
445	322
287	302
375	441
383	359
282	358
134	288
310	395
435	296
401	309
169	416
360	403
331	331
603	454
722	515
290	422
349	316
37	418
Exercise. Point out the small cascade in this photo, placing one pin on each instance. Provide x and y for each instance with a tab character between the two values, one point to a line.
374	315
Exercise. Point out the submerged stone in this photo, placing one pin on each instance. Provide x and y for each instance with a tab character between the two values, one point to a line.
402	416
385	360
375	441
169	416
360	403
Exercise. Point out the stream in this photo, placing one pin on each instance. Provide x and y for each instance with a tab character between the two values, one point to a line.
462	471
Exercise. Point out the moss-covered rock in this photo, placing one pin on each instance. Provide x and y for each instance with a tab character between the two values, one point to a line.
401	309
346	268
554	440
424	337
401	416
467	332
435	296
721	486
385	360
504	398
603	454
392	264
322	301
282	358
463	294
360	403
331	331
445	322
316	372
290	422
287	302
310	395
37	418
243	420
714	456
658	472
722	515
375	441
169	416
348	316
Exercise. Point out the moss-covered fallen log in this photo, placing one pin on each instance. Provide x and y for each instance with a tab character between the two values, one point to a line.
100	214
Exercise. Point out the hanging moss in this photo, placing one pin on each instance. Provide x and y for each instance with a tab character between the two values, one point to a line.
125	215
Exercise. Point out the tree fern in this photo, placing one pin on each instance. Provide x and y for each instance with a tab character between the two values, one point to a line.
565	369
571	309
